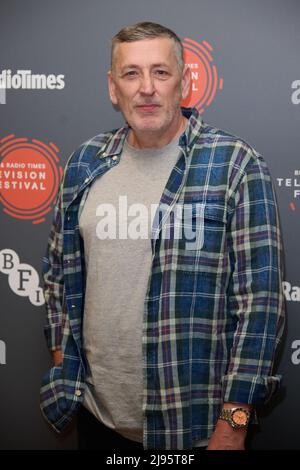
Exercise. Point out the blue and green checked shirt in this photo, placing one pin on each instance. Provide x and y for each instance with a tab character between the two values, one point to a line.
214	311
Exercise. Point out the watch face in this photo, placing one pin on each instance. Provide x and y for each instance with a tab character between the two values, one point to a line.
240	418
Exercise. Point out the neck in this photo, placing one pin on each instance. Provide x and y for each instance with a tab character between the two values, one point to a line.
156	139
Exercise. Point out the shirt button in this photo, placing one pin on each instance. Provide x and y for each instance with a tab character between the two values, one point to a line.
115	157
86	180
104	154
78	393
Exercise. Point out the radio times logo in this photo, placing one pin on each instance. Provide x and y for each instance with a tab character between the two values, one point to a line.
204	74
292	185
291	293
26	80
29	177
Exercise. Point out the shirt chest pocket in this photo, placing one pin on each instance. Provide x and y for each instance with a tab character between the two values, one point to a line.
199	236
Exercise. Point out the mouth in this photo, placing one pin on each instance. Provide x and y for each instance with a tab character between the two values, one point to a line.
148	108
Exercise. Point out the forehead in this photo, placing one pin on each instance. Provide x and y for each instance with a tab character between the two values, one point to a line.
145	52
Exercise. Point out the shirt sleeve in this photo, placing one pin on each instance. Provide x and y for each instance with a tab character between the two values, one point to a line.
53	279
255	296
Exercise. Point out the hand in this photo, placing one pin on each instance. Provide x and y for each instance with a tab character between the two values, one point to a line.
226	438
57	357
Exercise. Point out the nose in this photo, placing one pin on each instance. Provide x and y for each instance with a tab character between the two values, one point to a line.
147	85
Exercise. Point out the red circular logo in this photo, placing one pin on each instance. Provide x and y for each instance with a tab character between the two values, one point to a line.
29	177
205	80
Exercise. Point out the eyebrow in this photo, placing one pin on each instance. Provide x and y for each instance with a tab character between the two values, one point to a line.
135	66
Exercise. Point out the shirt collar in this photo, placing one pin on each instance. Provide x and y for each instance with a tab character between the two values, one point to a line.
115	145
193	128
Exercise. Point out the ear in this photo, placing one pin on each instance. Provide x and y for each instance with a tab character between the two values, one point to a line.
185	81
112	88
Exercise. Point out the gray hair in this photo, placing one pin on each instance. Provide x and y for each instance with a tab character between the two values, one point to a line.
147	30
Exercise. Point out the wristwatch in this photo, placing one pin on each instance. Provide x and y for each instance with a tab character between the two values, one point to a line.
238	418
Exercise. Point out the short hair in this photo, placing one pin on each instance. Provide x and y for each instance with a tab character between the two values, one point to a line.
147	30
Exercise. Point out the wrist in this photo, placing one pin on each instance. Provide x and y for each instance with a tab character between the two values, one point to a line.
57	357
225	428
229	405
236	415
225	437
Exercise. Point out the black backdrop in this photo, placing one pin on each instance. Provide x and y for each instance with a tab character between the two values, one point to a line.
53	63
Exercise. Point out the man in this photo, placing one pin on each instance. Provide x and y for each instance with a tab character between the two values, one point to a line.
162	333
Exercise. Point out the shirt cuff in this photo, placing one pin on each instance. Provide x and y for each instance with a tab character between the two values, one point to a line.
251	389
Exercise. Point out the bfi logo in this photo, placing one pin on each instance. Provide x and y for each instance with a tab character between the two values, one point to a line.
23	279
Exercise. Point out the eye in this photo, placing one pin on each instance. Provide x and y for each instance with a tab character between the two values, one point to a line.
162	74
130	73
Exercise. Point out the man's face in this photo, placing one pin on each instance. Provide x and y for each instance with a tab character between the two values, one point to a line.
147	84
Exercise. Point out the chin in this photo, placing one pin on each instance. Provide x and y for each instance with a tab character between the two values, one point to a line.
150	129
149	126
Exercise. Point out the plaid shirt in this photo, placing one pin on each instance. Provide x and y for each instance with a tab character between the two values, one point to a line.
213	314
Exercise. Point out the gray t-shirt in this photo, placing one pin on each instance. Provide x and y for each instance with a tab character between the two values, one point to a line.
118	260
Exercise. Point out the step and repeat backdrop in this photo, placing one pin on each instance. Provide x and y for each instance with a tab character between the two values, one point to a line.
244	59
